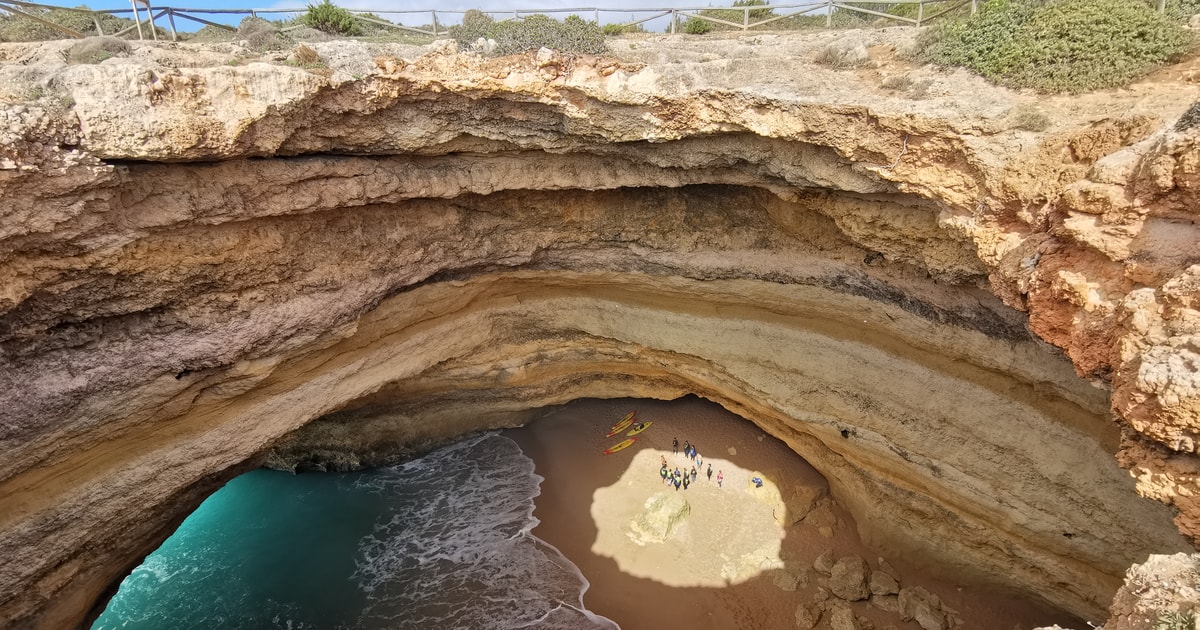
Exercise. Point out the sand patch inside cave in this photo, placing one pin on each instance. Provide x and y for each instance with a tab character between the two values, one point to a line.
704	535
587	501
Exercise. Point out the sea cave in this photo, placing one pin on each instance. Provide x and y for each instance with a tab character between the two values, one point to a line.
976	334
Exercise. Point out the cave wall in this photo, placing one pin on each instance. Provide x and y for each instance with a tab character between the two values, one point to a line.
203	260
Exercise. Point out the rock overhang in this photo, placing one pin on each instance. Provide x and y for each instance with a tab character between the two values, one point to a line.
439	242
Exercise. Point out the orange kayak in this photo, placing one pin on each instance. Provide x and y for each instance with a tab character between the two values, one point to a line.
619	446
622	425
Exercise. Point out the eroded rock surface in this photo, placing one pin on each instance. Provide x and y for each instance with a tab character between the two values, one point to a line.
929	306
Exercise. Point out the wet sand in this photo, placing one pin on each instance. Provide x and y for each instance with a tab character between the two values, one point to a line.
665	585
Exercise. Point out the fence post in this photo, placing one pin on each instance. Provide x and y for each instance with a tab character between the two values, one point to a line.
746	18
829	14
99	29
435	24
920	12
673	20
597	17
1162	6
974	6
137	18
171	21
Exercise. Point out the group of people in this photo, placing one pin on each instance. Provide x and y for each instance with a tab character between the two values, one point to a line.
681	478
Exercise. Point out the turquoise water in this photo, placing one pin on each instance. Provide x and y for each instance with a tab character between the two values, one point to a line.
439	542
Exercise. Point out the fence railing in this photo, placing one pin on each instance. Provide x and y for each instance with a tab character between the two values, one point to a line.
925	12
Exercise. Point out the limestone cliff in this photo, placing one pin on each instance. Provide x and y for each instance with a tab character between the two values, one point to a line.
941	312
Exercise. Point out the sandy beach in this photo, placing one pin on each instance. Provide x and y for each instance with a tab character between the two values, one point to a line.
734	558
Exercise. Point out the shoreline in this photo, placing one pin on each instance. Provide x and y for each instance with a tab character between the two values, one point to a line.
587	499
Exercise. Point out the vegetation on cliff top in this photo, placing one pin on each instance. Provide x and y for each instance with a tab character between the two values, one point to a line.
1057	45
842	18
329	18
573	35
15	28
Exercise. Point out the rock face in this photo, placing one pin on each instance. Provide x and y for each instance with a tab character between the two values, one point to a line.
200	260
1162	593
1161	589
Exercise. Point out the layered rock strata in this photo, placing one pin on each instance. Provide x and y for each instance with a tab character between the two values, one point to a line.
201	260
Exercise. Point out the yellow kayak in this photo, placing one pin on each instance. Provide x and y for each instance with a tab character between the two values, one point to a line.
638	428
622	425
619	445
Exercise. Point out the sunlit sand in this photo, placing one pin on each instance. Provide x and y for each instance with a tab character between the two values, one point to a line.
726	535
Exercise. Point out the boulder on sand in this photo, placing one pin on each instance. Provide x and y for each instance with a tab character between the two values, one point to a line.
848	579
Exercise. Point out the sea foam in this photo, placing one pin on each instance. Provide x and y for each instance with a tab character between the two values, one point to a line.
457	552
439	542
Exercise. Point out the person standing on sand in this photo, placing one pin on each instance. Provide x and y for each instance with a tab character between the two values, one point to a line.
674	445
710	472
664	461
685	482
693	474
720	478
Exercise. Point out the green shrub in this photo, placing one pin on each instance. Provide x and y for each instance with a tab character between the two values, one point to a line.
1175	621
697	26
262	35
306	55
842	18
1182	9
307	34
1057	45
906	10
1030	118
618	29
263	41
847	52
475	24
96	49
574	35
729	15
371	28
14	28
846	19
328	18
252	25
897	82
212	34
1190	118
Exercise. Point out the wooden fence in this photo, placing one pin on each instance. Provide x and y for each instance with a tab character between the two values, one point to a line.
926	11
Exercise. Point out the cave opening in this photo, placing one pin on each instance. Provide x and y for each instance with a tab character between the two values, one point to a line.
537	524
943	427
214	267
